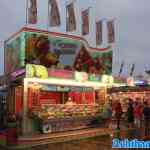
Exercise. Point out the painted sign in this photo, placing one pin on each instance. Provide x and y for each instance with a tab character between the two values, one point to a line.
50	51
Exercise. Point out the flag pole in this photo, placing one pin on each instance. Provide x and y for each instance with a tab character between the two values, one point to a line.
48	16
121	68
27	3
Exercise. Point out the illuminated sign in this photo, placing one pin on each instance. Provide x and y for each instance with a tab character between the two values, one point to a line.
130	81
62	89
107	79
81	76
48	88
93	77
38	71
140	82
66	74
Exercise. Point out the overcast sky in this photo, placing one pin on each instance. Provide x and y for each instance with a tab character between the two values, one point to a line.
132	27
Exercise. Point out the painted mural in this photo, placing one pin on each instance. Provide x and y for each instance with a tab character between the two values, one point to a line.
14	55
50	51
54	50
66	53
94	62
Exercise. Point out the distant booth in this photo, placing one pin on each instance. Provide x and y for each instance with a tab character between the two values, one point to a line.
55	81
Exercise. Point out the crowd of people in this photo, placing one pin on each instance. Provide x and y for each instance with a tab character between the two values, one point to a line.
137	114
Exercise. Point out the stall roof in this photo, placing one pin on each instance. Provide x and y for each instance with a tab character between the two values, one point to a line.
27	29
129	89
66	82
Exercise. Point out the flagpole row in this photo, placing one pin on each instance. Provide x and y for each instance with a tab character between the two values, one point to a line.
53	19
27	3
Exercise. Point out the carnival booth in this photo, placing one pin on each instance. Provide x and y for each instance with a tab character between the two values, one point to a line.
55	80
135	90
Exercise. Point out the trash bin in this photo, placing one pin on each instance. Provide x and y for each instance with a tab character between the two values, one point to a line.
12	130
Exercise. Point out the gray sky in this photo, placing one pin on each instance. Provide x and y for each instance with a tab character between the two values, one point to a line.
132	26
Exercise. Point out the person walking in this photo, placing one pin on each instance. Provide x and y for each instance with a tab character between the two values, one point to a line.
146	113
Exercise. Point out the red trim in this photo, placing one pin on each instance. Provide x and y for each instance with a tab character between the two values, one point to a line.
58	34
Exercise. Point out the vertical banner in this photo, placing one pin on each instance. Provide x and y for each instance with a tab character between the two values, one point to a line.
132	69
99	32
32	12
111	32
70	18
85	21
53	13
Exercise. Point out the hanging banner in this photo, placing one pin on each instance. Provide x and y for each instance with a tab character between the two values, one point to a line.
53	12
111	32
32	12
70	18
99	32
85	22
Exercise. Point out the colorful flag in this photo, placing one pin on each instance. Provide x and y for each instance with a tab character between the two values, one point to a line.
121	68
85	22
111	32
70	18
53	13
99	34
32	12
132	69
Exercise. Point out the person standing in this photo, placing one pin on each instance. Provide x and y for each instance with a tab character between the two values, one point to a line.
137	112
146	113
118	113
130	116
107	113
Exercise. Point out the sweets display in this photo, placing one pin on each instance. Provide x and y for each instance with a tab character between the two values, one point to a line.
62	117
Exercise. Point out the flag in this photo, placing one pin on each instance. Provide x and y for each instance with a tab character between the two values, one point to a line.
111	32
70	18
147	71
99	33
53	13
132	69
32	12
121	68
85	22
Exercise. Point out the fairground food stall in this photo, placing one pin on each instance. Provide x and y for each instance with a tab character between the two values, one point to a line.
45	70
139	91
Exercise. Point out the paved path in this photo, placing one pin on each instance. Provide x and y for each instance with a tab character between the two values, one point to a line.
104	136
